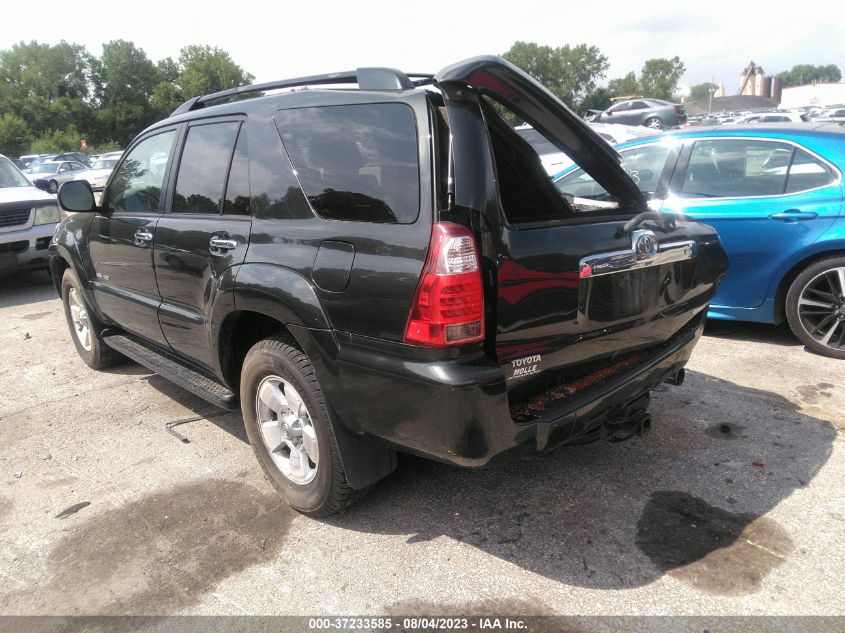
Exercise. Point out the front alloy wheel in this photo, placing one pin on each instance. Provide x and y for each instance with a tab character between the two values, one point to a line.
816	307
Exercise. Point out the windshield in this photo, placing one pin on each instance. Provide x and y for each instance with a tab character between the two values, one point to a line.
43	168
104	164
10	176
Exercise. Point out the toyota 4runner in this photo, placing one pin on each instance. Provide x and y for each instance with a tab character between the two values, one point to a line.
380	263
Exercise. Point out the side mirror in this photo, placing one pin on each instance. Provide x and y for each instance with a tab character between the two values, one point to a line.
77	196
41	183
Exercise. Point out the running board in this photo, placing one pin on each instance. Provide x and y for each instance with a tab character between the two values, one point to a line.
193	381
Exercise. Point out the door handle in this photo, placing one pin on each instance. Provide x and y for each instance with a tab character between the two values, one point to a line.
143	237
221	243
791	216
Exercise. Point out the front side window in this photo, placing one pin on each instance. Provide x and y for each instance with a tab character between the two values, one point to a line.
203	167
137	185
735	168
620	107
355	162
643	164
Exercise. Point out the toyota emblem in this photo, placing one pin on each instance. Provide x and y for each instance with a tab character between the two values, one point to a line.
645	244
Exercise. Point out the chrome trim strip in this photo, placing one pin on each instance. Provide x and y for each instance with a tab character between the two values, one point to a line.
623	261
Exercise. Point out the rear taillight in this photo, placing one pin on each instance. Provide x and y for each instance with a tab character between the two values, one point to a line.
677	109
448	306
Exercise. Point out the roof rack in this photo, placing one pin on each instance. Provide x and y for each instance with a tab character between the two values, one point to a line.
367	79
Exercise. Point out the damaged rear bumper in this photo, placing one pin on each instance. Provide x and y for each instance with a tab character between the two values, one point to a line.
458	411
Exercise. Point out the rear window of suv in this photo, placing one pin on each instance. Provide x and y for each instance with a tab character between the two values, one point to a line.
355	162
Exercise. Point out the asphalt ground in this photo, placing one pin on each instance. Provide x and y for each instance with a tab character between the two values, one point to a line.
732	505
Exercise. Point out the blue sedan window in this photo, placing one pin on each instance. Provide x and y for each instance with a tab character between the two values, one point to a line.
731	168
807	172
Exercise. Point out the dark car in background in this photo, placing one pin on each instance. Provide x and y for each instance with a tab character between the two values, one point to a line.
654	113
385	268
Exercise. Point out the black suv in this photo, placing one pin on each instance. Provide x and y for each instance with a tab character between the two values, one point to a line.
385	267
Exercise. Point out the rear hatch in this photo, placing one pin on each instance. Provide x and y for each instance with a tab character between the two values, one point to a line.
574	286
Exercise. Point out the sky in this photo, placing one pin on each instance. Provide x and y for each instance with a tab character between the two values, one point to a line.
275	40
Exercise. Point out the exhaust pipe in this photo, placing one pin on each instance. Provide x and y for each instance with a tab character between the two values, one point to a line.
677	379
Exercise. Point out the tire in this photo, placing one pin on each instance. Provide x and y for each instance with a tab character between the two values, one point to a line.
52	186
654	123
88	342
274	367
815	307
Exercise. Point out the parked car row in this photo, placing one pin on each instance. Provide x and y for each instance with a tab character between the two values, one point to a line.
554	160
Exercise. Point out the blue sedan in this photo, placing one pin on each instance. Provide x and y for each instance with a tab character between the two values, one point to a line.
774	193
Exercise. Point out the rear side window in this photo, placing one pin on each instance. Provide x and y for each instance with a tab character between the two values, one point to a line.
237	187
735	168
355	162
203	167
807	172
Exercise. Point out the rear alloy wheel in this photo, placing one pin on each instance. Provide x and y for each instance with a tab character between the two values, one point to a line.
654	123
288	425
53	186
815	307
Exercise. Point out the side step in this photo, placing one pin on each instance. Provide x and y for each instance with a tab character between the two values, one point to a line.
186	378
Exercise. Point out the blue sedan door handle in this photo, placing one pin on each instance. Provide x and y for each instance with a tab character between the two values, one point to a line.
792	216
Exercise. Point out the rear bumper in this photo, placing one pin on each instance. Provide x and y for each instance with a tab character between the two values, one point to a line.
458	411
27	249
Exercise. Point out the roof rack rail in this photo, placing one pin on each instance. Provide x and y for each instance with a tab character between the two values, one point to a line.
367	79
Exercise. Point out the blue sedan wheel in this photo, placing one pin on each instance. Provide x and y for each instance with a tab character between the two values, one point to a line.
815	307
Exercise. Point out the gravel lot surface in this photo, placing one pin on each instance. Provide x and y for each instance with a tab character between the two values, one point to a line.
733	504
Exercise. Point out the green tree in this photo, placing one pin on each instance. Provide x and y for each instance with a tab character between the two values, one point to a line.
49	87
802	74
659	77
569	72
125	78
15	136
624	86
701	91
598	99
206	69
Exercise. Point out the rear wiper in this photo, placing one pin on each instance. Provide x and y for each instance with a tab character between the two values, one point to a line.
665	222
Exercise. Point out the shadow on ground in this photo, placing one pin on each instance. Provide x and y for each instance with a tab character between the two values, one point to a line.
752	332
688	500
25	288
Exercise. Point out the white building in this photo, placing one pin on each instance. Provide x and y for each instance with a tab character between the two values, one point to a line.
813	95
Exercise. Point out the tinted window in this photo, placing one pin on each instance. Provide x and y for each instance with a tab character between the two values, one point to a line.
620	107
203	168
639	105
735	168
136	187
539	142
807	172
355	162
237	188
643	164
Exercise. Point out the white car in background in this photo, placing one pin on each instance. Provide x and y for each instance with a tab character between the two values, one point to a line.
772	117
554	161
28	219
99	173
